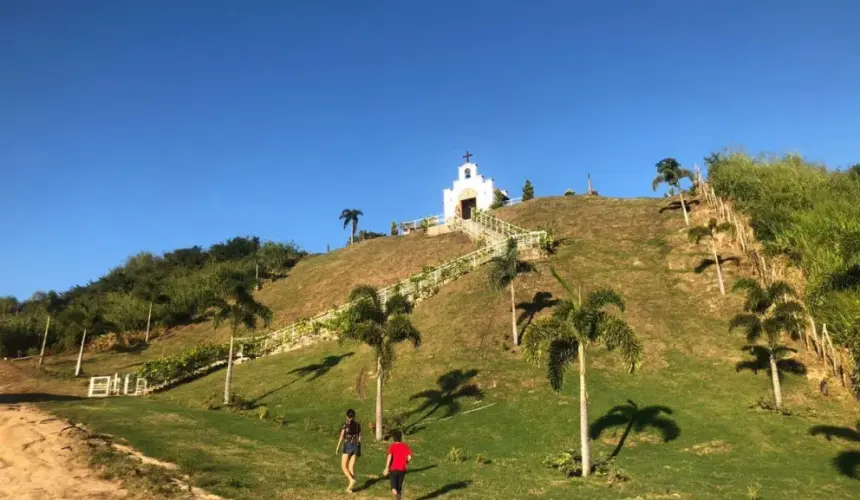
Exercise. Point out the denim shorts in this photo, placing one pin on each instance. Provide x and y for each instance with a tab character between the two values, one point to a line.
351	449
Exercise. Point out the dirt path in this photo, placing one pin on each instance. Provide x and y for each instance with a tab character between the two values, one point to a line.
39	461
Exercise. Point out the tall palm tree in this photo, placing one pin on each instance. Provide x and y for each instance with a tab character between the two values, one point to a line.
769	312
351	215
696	234
50	303
565	337
504	270
380	326
669	171
236	306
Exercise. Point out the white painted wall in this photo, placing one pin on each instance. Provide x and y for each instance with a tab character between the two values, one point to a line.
484	188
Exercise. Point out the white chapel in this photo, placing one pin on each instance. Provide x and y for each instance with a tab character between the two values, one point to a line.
470	191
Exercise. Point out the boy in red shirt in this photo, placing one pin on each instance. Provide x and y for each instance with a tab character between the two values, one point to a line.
395	465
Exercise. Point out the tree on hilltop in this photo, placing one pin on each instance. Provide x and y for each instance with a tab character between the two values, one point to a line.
350	216
769	313
669	171
528	191
696	234
565	336
379	326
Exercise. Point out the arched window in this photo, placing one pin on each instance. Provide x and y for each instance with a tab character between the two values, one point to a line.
468	173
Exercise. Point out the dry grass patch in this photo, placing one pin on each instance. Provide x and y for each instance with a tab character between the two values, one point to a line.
709	448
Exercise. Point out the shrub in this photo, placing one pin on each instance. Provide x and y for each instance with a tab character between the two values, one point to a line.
183	364
569	192
455	455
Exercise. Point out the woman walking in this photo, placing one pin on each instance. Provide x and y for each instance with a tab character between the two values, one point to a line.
350	436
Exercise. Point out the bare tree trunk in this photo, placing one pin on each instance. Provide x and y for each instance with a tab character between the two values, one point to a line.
514	316
774	376
352	234
229	379
719	270
583	415
684	207
44	341
379	399
81	354
148	321
815	339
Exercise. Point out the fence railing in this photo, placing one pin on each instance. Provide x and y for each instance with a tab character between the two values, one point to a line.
415	287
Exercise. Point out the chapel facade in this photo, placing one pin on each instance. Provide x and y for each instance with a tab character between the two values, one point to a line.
470	192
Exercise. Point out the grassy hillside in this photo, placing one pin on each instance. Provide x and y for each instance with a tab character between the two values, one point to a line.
315	284
699	432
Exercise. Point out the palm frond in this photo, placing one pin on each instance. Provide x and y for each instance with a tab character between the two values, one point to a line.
564	311
385	354
598	299
564	284
400	328
561	353
660	179
539	334
684	173
725	227
779	289
749	323
617	334
398	304
745	284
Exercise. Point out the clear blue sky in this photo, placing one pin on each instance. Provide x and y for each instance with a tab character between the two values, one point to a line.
152	125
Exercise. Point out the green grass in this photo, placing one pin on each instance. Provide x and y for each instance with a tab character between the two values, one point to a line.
725	443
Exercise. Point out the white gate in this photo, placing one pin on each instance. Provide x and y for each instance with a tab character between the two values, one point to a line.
99	387
129	385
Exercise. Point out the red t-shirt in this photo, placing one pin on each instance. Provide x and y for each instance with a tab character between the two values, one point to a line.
398	452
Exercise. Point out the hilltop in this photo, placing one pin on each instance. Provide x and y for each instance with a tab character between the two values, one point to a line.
480	419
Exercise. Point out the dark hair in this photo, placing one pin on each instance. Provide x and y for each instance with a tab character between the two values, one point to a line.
350	413
397	435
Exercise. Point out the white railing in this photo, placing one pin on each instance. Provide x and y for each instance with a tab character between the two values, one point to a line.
512	201
130	385
415	287
412	225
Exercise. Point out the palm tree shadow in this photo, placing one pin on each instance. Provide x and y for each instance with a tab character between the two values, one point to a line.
542	300
706	263
761	361
453	386
448	488
847	462
635	418
676	205
374	480
319	369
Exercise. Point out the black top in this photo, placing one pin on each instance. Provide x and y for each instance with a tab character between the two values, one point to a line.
351	432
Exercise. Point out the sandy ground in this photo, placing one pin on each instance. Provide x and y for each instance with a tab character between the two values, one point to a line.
38	460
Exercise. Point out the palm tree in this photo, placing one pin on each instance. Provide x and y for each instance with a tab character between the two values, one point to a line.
710	231
769	313
350	215
504	269
236	306
380	326
84	315
670	172
565	337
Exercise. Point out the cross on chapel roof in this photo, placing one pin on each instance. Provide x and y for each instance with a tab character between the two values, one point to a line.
467	156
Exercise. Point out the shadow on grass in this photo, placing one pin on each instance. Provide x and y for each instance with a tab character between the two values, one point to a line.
706	263
542	300
317	369
448	488
676	205
636	418
36	397
453	386
761	361
847	462
372	481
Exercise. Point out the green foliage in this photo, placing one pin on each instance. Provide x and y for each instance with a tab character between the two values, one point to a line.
696	234
499	199
811	215
394	228
569	192
350	216
181	285
364	235
183	364
528	191
669	171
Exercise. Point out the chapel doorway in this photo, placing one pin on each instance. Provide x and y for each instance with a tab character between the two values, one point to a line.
467	207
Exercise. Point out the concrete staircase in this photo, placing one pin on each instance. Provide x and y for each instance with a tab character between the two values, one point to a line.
493	232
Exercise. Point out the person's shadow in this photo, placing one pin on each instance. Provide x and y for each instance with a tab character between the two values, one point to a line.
376	479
